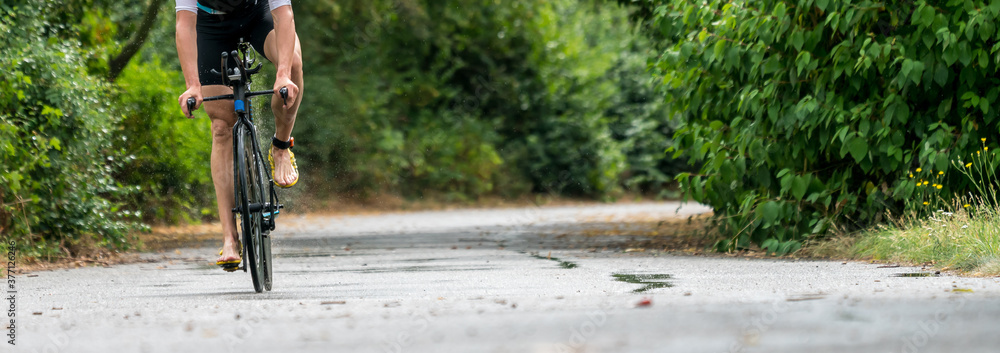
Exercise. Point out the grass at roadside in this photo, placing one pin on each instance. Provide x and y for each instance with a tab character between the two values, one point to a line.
967	240
962	234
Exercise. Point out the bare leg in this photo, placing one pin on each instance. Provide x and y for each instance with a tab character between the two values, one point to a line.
284	119
223	118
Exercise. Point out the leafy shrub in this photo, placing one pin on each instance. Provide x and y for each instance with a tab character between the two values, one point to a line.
56	134
811	115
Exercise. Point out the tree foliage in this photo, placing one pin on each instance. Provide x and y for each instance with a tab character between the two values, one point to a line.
469	98
56	132
814	115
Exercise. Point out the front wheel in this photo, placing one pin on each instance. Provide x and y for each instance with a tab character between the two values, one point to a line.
249	173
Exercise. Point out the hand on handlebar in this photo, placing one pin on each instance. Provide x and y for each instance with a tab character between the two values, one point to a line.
291	91
190	101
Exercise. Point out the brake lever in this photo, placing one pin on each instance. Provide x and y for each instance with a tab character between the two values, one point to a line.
284	94
191	102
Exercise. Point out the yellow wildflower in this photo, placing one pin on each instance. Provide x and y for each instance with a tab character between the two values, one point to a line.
968	165
983	139
911	175
967	205
941	173
939	186
926	203
919	170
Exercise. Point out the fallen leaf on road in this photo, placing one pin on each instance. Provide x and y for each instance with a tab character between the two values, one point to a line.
635	250
644	303
391	305
333	302
962	290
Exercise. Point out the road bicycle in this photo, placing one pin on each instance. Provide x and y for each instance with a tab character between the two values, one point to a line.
257	204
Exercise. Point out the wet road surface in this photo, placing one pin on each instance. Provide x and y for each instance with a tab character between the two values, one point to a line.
514	280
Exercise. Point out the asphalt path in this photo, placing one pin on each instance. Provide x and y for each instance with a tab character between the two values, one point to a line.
509	280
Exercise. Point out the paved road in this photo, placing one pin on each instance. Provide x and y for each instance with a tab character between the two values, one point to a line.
499	281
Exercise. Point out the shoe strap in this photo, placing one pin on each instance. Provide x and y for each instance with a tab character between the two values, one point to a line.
282	145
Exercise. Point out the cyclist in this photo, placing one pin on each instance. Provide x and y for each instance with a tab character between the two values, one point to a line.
206	28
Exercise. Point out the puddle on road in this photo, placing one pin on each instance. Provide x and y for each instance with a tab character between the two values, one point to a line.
649	281
915	274
563	264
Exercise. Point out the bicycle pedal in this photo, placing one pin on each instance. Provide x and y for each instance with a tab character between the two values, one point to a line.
230	267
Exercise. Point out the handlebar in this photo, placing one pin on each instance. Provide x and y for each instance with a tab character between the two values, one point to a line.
191	101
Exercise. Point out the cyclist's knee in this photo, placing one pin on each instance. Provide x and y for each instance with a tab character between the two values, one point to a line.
221	129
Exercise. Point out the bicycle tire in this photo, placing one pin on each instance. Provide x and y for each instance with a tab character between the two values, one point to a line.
249	176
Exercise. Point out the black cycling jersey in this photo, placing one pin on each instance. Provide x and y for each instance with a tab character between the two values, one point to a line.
228	5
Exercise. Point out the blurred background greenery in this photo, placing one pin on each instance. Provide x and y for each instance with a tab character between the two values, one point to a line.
443	100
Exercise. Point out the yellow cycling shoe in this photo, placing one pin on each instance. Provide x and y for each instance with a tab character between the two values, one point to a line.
284	145
229	265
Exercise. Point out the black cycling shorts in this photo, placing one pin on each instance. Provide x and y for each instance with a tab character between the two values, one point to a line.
218	33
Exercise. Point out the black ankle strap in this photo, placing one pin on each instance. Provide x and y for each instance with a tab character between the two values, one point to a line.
282	145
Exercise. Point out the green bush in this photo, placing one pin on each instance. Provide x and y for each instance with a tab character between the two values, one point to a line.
810	115
56	132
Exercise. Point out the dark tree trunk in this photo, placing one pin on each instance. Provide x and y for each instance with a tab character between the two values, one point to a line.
117	63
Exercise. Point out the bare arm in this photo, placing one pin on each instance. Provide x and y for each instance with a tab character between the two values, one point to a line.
187	52
284	32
